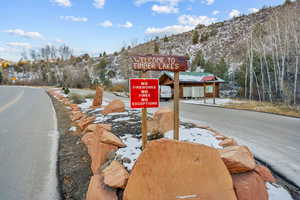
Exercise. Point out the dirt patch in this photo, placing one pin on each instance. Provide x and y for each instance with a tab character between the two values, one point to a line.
73	160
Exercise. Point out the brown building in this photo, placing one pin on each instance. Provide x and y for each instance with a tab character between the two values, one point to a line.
194	84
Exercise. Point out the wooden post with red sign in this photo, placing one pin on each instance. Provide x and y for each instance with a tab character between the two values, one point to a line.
146	63
144	93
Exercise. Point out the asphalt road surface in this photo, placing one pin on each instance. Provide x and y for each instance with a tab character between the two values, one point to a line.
28	144
273	139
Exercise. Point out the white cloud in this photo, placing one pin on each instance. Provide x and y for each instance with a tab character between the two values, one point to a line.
167	9
106	24
128	24
20	32
19	44
2	49
208	2
186	23
175	29
234	13
165	2
216	12
253	10
99	3
63	3
193	20
74	19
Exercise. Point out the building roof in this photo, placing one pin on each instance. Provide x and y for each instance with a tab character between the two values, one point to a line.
195	77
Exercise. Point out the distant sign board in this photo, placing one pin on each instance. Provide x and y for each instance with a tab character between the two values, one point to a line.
159	63
144	93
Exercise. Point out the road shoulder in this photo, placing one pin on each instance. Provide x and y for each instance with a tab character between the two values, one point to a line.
73	160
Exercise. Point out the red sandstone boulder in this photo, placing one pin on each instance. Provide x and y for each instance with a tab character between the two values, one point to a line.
163	121
115	175
77	116
84	122
98	191
113	107
221	137
109	138
94	127
104	135
74	107
228	142
238	159
265	173
97	102
249	186
169	170
97	150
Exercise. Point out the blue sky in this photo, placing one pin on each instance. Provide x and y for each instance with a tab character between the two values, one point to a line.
94	26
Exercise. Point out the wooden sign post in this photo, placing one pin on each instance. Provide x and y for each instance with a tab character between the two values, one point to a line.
174	64
144	120
204	93
144	93
214	92
176	106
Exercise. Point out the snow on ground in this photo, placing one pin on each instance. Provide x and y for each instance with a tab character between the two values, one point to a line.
196	135
210	101
118	113
131	151
122	119
73	128
277	192
86	105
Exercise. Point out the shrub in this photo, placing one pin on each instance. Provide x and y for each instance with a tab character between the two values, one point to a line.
195	37
76	98
66	90
166	39
156	48
204	37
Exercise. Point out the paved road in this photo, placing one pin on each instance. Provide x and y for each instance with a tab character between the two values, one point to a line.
272	138
28	145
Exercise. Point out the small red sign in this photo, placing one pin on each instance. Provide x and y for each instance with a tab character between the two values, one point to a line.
144	93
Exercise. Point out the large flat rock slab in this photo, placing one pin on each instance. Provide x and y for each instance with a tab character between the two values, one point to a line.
170	170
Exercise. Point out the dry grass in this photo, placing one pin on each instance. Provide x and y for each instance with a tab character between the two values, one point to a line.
266	107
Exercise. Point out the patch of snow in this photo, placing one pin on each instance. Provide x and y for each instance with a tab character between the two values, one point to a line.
196	135
101	118
277	192
131	151
86	105
118	113
122	119
73	129
96	110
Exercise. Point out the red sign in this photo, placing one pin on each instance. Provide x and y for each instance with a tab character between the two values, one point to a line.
159	63
144	93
